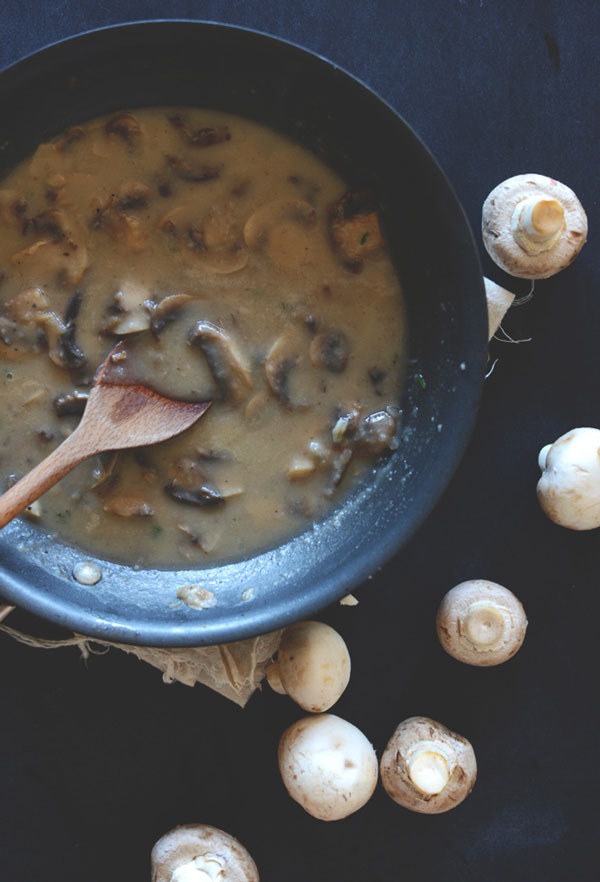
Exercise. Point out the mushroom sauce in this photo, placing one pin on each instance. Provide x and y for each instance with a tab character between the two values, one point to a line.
236	267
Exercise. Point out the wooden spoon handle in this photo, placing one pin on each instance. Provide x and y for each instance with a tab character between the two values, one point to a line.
42	477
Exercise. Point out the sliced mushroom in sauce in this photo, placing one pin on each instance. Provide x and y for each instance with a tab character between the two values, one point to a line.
125	126
355	229
202	136
227	364
166	311
330	350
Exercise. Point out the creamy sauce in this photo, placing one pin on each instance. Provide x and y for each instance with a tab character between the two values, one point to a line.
237	268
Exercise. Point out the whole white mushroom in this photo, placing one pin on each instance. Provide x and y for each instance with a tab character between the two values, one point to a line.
328	766
201	853
426	767
533	226
312	665
481	623
569	487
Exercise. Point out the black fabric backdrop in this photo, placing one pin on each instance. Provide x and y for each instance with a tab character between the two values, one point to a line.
99	758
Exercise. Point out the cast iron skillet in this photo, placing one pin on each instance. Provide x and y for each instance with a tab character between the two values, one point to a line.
307	97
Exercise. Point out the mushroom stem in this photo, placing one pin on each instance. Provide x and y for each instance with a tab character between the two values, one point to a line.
481	623
429	768
200	869
537	223
484	624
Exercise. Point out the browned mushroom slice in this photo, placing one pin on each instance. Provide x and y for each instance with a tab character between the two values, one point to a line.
205	136
52	223
203	495
13	206
62	346
125	228
133	195
29	322
130	312
70	403
355	229
287	370
19	329
226	363
54	331
330	350
58	248
125	126
278	369
167	310
190	482
282	230
222	239
193	172
73	135
128	505
26	306
214	240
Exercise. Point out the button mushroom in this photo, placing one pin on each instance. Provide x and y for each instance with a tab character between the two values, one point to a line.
328	766
201	853
427	768
569	487
533	226
204	136
312	666
481	623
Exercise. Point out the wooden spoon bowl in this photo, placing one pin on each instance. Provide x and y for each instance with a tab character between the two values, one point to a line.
118	414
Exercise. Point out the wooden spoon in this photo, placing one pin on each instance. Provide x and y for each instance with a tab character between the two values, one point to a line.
118	414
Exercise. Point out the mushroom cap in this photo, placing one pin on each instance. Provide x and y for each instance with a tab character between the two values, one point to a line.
328	766
314	665
569	487
481	623
426	767
185	851
497	227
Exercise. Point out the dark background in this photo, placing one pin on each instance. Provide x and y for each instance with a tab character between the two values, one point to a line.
100	758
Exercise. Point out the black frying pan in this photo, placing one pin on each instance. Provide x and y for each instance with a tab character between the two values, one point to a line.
310	99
